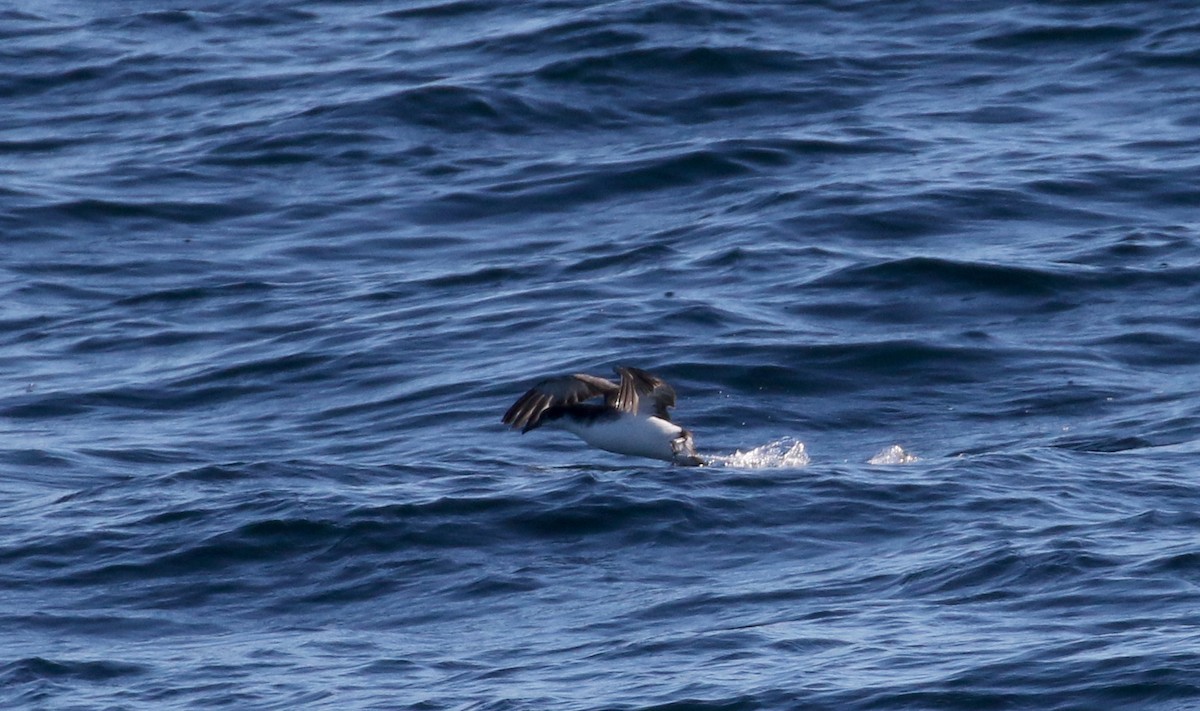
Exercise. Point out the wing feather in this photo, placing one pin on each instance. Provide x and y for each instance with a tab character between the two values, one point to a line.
526	412
643	393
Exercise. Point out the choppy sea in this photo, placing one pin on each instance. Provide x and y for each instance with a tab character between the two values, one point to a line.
925	276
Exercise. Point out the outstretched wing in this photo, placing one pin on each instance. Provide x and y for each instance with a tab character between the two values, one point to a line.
563	390
641	392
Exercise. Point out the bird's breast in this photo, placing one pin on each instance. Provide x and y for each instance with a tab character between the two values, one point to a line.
628	434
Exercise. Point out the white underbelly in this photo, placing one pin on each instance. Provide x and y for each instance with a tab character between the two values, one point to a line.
630	434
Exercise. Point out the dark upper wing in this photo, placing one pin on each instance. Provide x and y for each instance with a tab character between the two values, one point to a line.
643	393
563	390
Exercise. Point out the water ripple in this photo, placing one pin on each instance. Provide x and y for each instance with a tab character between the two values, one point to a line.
923	278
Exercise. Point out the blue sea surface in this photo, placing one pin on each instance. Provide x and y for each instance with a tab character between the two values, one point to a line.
925	276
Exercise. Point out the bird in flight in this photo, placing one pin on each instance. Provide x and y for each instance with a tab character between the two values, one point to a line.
631	419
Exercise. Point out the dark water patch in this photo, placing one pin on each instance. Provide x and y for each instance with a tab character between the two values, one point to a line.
105	280
300	366
178	516
958	280
443	522
184	294
132	334
1124	248
101	626
142	214
41	144
1162	146
808	369
293	149
421	251
999	279
252	87
137	402
31	669
35	82
1005	114
1154	429
568	188
713	104
1163	187
662	63
50	560
1030	398
739	702
215	473
34	458
442	10
895	223
1151	349
898	357
941	212
455	108
570	35
139	455
575	513
1050	37
212	562
202	22
704	316
267	16
1182	59
489	276
619	257
685	14
14	15
1184	566
155	20
592	515
497	585
45	406
1004	574
334	583
1104	443
1107	677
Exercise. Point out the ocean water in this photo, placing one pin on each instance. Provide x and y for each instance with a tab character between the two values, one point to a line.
925	275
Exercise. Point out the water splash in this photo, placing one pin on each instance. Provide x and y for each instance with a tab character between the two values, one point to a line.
782	453
894	454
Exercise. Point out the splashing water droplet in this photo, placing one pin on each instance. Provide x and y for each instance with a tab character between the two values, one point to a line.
894	454
782	453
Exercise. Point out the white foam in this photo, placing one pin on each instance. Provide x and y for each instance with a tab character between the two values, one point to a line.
782	453
894	454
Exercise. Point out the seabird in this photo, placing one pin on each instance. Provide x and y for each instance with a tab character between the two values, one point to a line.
632	420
